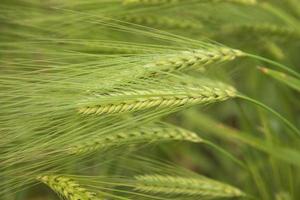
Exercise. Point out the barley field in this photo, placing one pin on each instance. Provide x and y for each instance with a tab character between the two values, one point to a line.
149	99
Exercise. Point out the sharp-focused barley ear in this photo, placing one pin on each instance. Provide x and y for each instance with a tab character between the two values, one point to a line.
157	132
185	186
141	100
67	188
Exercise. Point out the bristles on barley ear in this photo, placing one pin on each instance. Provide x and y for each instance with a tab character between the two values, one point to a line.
174	185
142	100
157	132
67	188
194	59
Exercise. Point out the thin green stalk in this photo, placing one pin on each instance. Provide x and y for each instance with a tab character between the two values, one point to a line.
283	119
279	65
282	77
269	139
228	133
224	152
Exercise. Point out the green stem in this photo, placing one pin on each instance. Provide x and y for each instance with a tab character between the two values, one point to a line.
284	120
224	152
280	66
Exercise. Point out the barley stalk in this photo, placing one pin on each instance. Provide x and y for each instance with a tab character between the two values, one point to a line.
66	187
141	100
175	185
151	133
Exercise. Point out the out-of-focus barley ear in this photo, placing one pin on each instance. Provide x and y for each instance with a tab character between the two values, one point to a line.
161	21
266	30
175	185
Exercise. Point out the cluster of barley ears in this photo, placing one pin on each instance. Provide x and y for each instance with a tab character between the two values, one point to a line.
134	99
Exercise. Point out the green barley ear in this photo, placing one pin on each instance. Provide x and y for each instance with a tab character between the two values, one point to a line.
175	185
194	59
67	188
161	21
133	100
183	60
157	132
267	30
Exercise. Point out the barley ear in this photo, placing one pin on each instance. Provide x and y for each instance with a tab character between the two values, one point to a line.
142	100
175	185
67	188
154	133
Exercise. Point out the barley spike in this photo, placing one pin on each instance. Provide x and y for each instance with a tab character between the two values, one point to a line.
263	29
195	59
141	100
152	20
185	186
66	187
152	133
